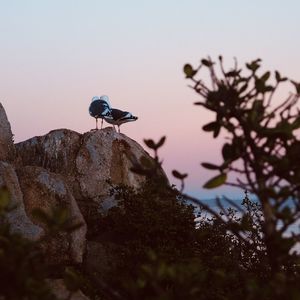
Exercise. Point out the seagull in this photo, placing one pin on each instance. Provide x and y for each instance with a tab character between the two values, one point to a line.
119	117
100	108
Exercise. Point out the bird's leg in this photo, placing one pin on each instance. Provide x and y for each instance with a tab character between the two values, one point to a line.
102	123
119	128
96	123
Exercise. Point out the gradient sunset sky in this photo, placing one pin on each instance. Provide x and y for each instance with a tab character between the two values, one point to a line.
57	54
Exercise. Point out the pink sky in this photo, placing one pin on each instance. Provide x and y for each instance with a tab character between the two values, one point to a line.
56	55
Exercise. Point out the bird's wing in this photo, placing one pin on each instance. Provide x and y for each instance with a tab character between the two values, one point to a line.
118	114
98	108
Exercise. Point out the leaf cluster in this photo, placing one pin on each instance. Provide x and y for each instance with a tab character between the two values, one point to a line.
262	143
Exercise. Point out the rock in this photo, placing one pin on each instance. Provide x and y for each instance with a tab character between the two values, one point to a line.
86	161
106	155
7	149
46	191
61	292
54	151
17	217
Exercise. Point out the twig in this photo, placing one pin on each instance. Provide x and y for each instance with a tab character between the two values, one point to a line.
216	215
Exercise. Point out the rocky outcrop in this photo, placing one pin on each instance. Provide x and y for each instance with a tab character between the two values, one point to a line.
66	170
90	163
17	217
37	188
7	149
48	192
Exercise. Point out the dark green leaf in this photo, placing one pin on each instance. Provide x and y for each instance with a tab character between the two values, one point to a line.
269	88
146	162
296	123
296	85
277	76
243	88
231	74
206	62
215	181
178	175
254	65
212	126
260	85
266	76
255	115
227	152
210	166
217	131
257	105
150	143
189	71
161	142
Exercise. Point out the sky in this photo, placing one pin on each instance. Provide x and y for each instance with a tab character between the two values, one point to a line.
57	54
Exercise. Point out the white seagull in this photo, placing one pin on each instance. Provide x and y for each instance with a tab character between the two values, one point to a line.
100	108
119	117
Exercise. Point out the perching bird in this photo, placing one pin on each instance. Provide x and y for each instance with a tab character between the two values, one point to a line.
100	108
120	117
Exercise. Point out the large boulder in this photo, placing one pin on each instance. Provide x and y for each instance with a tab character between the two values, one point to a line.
105	159
17	217
90	163
7	149
55	151
48	192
